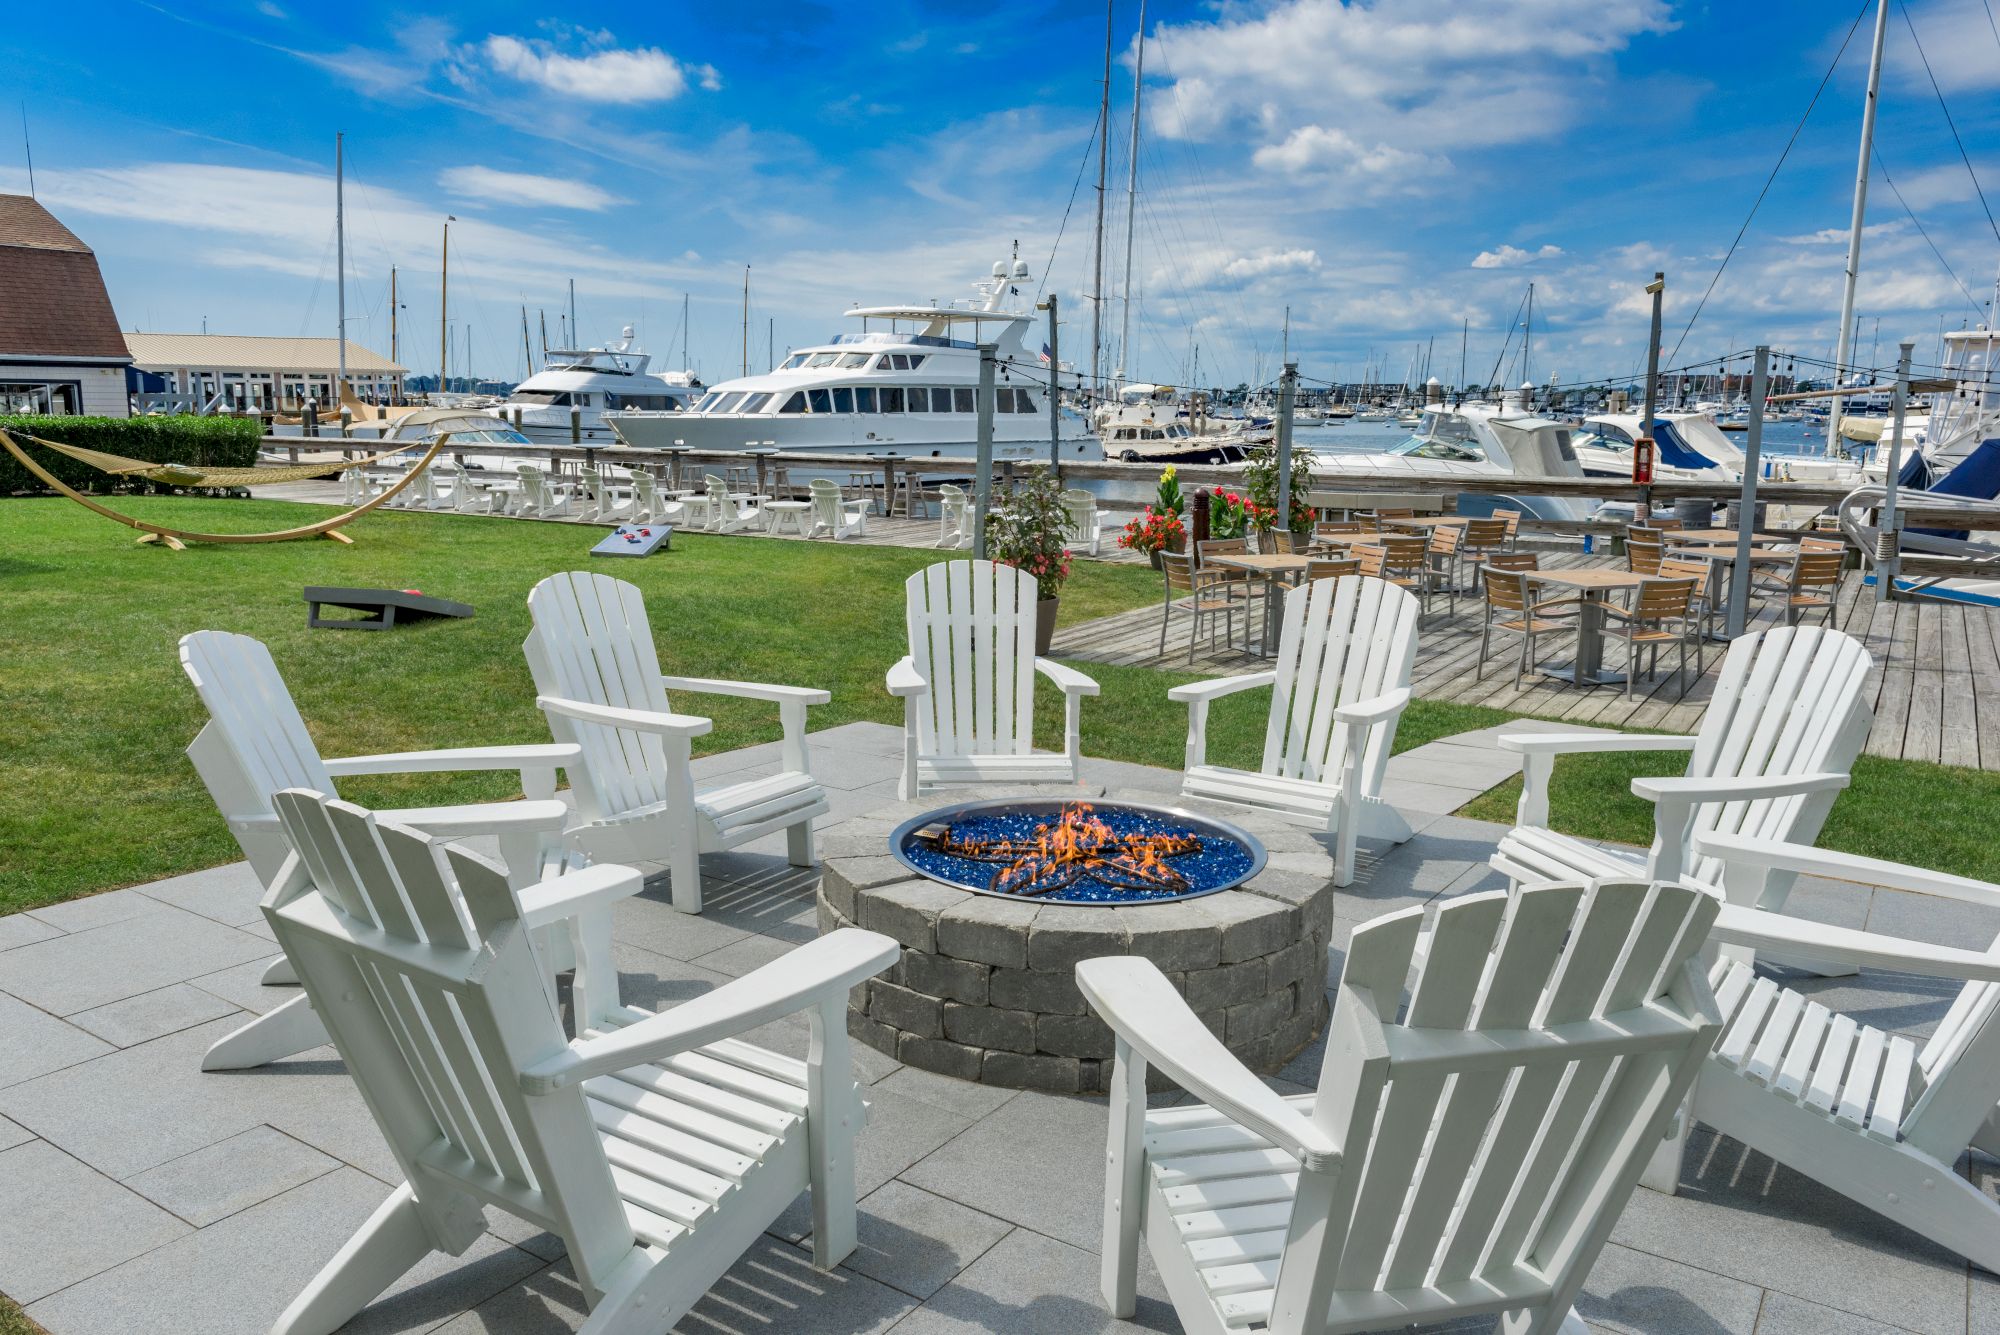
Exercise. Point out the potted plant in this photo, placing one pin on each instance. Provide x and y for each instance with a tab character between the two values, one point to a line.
1154	532
1167	500
1231	514
1028	534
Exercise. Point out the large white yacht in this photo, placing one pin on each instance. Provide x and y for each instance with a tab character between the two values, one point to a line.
1478	439
595	381
904	386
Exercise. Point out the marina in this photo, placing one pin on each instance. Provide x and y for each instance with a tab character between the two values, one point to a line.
971	715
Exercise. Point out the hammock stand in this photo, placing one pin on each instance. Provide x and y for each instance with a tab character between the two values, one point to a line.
177	475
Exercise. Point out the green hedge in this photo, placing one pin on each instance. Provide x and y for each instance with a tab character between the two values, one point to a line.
216	442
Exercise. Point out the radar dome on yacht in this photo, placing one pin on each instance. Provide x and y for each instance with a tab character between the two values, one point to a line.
1020	268
999	268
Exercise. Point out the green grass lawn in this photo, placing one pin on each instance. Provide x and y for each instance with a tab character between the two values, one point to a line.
97	793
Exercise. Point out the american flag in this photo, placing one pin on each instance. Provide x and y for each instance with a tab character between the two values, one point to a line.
1045	352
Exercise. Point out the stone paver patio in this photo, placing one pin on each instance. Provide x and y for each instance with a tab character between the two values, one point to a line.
138	1194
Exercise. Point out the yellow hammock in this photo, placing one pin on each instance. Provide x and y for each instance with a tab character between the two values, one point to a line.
180	475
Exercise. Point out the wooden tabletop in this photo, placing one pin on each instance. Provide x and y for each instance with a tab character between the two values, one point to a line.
1427	521
1590	578
1272	563
1714	535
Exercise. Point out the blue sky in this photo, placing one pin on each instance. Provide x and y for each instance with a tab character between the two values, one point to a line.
1389	170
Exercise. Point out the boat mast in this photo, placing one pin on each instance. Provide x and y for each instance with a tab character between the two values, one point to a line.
1528	336
340	256
746	319
1132	196
393	350
1097	254
527	346
684	331
574	337
1846	347
444	305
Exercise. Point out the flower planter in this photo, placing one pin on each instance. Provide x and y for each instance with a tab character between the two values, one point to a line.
1154	557
1045	623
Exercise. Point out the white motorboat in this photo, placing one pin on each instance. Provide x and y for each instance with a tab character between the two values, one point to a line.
904	387
1152	424
1478	440
593	381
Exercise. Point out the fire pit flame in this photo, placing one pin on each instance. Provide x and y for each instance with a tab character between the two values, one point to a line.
1077	844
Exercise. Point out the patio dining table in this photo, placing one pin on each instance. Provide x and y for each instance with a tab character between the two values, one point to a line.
1712	536
1725	554
1277	569
1594	586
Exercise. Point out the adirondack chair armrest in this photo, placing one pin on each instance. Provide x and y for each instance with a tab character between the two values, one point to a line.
1198	694
561	898
1367	713
541	755
1201	692
1130	994
639	720
1777	855
820	971
1674	801
543	817
1670	788
905	680
1798	937
749	690
1568	743
1067	679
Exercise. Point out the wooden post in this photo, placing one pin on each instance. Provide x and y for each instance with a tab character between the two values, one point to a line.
312	416
1198	520
889	485
575	424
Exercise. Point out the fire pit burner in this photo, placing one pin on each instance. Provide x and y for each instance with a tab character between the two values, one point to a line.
1055	852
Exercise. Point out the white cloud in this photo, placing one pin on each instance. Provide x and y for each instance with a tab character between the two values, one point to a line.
1958	40
1513	257
525	188
607	74
1382	88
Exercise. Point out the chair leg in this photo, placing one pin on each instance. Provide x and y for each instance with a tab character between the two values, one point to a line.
393	1240
284	1031
1124	1184
799	843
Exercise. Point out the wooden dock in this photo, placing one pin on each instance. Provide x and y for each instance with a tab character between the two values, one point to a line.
1935	685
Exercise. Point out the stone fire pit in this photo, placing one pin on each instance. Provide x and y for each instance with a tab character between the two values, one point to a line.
986	988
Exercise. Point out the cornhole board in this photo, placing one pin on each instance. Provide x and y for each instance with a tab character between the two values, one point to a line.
384	607
635	540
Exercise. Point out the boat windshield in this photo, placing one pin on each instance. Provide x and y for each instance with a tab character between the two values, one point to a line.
1448	438
1598	441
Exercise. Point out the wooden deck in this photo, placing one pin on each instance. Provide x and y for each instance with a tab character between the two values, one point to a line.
1935	686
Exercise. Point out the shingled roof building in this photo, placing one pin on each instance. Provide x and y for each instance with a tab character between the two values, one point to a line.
60	348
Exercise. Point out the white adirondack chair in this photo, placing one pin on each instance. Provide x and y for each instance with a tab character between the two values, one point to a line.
968	683
1086	521
954	517
1774	749
598	679
649	506
1873	1115
255	744
833	515
734	511
541	498
604	498
1444	1168
657	1147
1338	691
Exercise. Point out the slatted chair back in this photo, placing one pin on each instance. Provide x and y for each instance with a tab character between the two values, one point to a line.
536	496
1642	558
1513	561
1383	518
1404	556
1508	592
255	742
1817	570
415	957
1662	599
645	495
1823	545
1220	547
1343	640
1690	568
1669	524
1485	534
1512	518
1079	515
592	643
1788	701
1179	570
1277	541
1336	528
1372	559
1445	540
972	636
1490	1139
1643	533
1333	568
